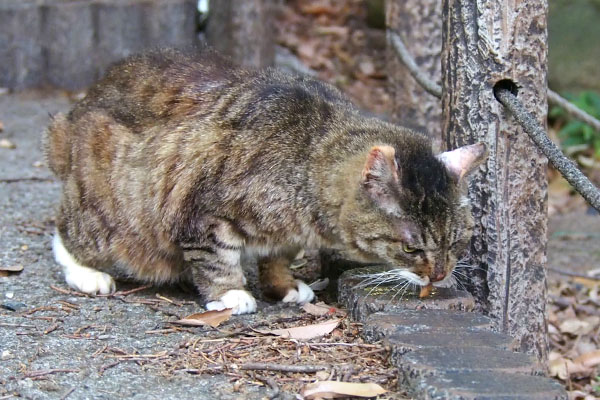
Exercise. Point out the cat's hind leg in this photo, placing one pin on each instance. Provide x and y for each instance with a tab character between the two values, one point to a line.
78	276
278	282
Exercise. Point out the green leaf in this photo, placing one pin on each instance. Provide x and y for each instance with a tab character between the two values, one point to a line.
588	132
572	128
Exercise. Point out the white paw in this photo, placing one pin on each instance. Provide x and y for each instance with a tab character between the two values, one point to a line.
240	301
88	280
79	277
303	294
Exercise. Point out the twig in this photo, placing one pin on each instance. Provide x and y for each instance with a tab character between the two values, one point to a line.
126	292
51	329
566	167
100	351
427	84
103	368
66	291
8	325
163	331
68	393
380	350
28	179
365	345
283	367
37	374
573	274
572	110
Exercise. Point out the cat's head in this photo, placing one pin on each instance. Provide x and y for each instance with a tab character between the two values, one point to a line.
411	210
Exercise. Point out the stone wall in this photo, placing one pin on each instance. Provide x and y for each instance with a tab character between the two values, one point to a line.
70	44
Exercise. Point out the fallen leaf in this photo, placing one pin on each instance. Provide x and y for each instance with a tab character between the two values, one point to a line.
335	389
578	326
563	368
319	309
213	318
589	360
11	268
304	332
1	126
7	144
588	283
318	9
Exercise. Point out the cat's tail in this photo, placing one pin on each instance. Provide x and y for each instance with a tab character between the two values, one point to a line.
57	145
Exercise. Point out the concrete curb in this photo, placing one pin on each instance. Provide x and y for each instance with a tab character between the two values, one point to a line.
441	350
70	44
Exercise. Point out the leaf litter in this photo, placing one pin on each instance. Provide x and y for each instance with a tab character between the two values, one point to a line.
574	334
212	318
305	352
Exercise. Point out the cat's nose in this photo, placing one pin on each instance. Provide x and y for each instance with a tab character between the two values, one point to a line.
437	277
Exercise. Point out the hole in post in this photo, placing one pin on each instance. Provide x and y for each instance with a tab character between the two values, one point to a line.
506	84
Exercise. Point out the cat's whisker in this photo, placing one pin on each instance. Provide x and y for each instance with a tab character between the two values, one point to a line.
458	276
401	290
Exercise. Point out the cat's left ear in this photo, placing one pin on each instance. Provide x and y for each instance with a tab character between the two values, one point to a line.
462	161
380	178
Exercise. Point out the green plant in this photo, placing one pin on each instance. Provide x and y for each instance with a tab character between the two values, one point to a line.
576	136
596	385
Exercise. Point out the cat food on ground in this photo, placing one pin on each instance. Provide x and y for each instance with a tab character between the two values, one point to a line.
425	291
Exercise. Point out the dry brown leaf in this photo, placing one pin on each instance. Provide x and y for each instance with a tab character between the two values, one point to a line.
589	360
579	326
318	9
334	389
304	332
11	268
1	126
318	309
213	318
563	368
588	283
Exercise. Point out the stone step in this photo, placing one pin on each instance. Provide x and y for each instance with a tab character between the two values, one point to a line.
488	385
404	342
438	360
441	351
362	300
383	324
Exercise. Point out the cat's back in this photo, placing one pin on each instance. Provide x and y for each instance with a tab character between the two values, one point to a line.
160	91
156	86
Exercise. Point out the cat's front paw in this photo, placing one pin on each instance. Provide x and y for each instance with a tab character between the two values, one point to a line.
302	294
88	280
240	301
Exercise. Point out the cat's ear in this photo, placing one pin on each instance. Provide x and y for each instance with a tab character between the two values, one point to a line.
464	160
380	177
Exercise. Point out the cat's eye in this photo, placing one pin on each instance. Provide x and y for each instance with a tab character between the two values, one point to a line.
408	249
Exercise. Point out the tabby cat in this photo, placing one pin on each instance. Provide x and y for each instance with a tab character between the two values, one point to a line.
170	149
